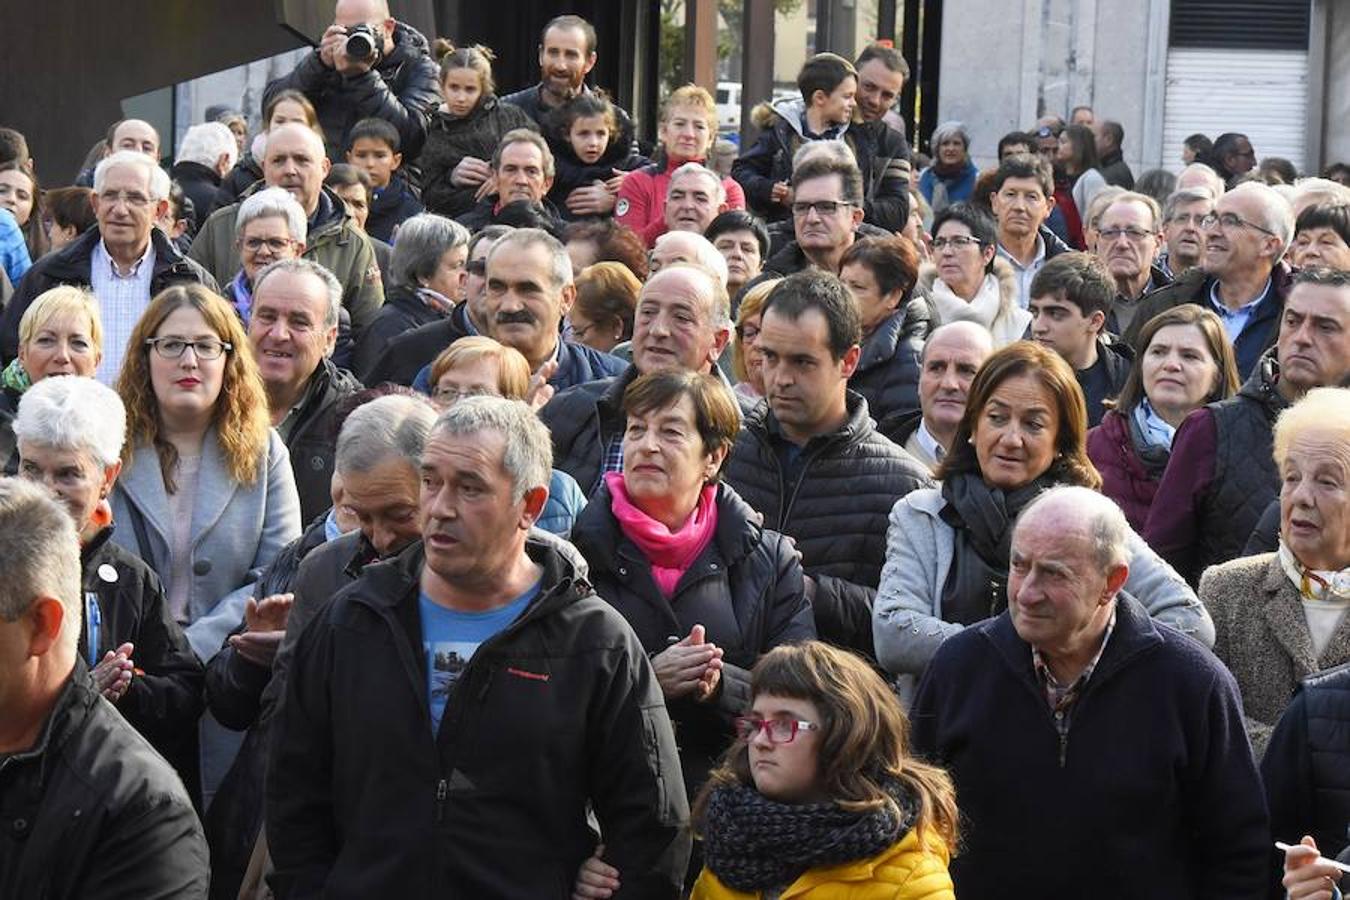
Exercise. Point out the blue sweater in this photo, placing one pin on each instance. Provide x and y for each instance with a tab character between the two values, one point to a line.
1154	792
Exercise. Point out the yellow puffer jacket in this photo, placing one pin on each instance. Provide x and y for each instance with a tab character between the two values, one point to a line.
905	870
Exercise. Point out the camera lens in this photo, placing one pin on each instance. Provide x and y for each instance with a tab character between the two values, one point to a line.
360	46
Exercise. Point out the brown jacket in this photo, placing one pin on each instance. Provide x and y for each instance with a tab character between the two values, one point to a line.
1263	638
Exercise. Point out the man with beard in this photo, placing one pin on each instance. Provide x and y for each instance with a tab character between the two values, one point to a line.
1127	243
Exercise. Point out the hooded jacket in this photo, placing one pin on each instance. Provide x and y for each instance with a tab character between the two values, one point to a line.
403	89
333	242
92	812
451	138
559	711
995	306
834	505
73	265
887	375
883	162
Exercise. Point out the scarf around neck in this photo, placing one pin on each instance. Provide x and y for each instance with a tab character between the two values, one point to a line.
981	518
1314	584
984	308
669	553
15	378
752	843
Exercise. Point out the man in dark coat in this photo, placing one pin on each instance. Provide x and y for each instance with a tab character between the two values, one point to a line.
829	193
518	699
89	810
811	461
293	330
1242	278
882	72
1089	744
522	171
1110	135
398	82
1221	476
682	321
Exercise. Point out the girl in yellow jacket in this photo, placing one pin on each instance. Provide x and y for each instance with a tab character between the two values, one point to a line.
818	798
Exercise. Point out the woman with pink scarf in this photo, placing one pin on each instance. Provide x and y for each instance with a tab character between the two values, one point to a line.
686	561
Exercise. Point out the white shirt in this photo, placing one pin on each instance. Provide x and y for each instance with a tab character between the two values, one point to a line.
121	300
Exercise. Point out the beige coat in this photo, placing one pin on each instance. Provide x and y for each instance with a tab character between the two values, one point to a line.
1262	636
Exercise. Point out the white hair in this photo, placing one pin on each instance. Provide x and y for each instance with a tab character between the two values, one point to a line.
422	240
560	262
41	550
1319	192
300	266
203	144
1277	215
68	412
1107	527
705	254
1204	175
528	457
273	201
702	171
158	188
396	425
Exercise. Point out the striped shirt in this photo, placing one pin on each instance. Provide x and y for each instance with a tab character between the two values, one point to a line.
121	300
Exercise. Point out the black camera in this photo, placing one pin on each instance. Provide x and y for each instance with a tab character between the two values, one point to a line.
363	42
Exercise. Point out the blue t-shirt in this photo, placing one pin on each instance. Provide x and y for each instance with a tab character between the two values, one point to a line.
450	638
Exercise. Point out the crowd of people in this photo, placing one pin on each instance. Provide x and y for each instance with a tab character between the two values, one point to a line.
445	492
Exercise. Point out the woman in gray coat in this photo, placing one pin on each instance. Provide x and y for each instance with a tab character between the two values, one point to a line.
1281	617
947	548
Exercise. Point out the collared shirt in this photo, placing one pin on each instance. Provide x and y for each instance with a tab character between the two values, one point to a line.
1025	274
1062	697
121	300
929	443
1234	320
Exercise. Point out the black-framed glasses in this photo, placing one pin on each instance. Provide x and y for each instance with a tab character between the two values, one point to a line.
173	348
802	208
1229	221
780	731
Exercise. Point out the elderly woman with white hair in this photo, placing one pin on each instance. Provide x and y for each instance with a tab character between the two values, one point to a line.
70	433
1280	617
271	225
60	334
951	177
205	155
426	279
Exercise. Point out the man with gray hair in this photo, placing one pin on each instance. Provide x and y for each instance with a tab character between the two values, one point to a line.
522	170
694	197
293	329
206	155
1183	238
688	247
1129	235
1200	175
1242	277
516	698
125	260
90	809
1076	704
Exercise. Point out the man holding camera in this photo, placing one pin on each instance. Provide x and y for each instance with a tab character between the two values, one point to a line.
367	65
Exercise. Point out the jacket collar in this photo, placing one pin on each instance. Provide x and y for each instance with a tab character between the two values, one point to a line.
1283	615
143	485
67	715
881	343
856	427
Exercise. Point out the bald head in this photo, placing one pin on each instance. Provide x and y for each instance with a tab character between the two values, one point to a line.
1082	513
689	247
136	135
354	12
1199	175
682	320
294	159
951	356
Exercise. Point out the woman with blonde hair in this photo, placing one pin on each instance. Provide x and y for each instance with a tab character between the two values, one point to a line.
207	497
746	362
60	334
602	315
687	132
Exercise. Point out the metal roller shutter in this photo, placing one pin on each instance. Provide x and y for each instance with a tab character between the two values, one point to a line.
1260	93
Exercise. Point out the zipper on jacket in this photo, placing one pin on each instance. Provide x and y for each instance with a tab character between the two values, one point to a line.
441	790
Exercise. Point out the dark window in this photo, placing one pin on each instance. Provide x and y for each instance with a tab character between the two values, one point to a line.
1240	24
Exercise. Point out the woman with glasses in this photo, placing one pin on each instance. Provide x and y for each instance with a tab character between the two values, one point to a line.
60	334
1185	361
426	279
967	280
270	226
688	563
478	366
602	315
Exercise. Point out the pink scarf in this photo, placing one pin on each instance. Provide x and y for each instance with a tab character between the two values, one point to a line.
669	553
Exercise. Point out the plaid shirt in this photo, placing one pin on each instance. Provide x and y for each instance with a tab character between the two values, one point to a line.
1062	697
121	300
613	459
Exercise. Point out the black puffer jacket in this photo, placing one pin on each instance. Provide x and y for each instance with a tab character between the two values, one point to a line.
165	703
405	354
450	139
1307	764
313	440
572	173
94	813
888	369
403	89
559	711
837	509
745	589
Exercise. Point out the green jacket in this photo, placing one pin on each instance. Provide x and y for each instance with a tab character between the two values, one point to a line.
335	243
